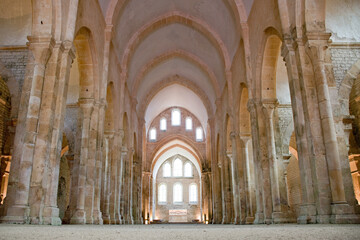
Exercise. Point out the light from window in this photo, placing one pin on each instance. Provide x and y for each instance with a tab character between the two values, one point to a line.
193	193
199	134
162	193
167	170
188	123
177	168
188	170
175	117
178	193
153	134
163	124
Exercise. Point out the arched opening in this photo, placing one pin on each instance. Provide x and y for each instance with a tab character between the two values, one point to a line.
5	154
78	123
175	200
276	116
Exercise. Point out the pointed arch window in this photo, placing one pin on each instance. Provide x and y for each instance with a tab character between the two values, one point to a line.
152	134
163	124
162	193
176	117
199	134
177	193
188	170
188	123
177	168
167	170
193	193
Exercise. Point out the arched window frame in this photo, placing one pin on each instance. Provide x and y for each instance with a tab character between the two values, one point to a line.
177	170
163	124
152	135
188	170
162	193
178	193
199	134
165	172
175	121
188	124
193	193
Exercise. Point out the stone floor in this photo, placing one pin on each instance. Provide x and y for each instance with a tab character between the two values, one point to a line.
177	231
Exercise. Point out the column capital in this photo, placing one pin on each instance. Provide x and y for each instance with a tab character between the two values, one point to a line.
68	47
86	106
229	154
233	135
245	137
134	102
40	46
268	106
109	134
146	174
252	104
124	151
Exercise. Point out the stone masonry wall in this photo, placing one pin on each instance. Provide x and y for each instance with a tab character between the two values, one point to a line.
12	70
343	58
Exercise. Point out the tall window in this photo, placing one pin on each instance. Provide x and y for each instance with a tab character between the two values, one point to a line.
199	134
188	170
176	117
162	193
177	168
152	134
193	193
177	193
167	170
163	124
188	123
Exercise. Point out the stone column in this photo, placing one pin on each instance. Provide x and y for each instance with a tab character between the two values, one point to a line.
342	212
116	153
235	179
146	181
291	55
16	209
136	188
107	177
125	191
227	191
249	182
51	211
97	215
205	195
121	179
279	202
130	175
86	108
91	165
113	180
252	108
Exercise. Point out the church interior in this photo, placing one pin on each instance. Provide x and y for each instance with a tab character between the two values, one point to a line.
238	112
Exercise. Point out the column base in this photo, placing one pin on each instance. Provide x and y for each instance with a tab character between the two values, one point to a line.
249	220
118	218
18	214
259	218
307	214
106	219
79	217
281	217
343	213
97	218
138	222
51	216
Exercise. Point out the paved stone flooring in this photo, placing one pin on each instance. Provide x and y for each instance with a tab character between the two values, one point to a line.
178	231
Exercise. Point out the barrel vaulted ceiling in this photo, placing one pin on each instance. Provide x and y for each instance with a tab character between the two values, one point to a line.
191	40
